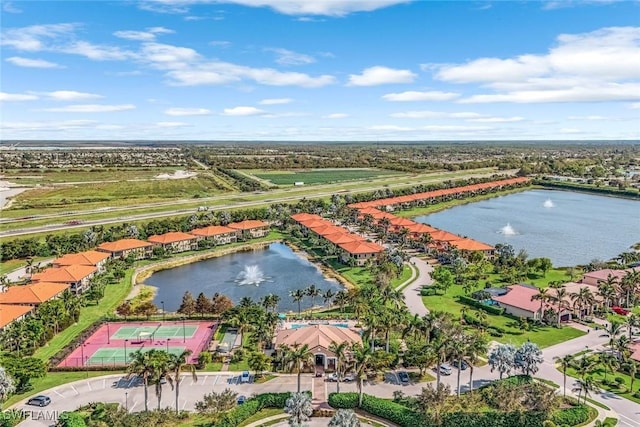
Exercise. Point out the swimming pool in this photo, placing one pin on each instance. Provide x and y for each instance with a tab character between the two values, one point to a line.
302	325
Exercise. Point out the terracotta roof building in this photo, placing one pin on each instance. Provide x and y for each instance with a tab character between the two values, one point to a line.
470	245
250	228
318	338
175	241
360	251
303	216
77	276
11	313
95	258
219	234
122	248
32	294
594	277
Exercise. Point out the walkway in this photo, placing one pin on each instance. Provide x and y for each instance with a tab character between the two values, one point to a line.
412	297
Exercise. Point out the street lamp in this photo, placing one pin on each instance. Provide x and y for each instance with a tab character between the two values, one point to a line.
82	361
162	302
168	339
184	333
125	351
126	401
108	334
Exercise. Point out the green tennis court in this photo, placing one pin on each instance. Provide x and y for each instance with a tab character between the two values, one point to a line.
115	356
153	332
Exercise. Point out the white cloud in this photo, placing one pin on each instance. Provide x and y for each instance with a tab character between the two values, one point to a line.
275	101
588	67
96	52
166	56
289	57
497	119
70	95
379	75
391	127
634	105
570	130
90	108
590	118
32	63
10	7
33	38
49	125
418	115
243	111
335	116
187	112
171	124
556	4
287	7
220	43
149	35
455	128
421	96
6	97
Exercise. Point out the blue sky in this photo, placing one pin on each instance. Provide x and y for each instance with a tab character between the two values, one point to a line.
362	70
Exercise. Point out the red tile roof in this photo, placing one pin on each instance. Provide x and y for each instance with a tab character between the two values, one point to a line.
361	247
520	296
315	336
338	238
323	230
171	237
444	236
471	245
9	313
33	294
123	245
401	222
303	216
212	230
248	224
310	223
420	229
82	258
67	274
604	274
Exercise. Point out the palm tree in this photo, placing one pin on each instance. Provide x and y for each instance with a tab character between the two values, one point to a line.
178	362
297	296
633	321
143	366
543	296
361	360
607	288
340	351
259	362
327	296
457	350
161	370
559	298
341	299
582	298
299	407
586	385
344	418
477	346
313	292
629	285
565	362
297	358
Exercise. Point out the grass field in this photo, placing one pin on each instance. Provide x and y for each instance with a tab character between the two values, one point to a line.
544	336
57	176
624	391
319	176
553	275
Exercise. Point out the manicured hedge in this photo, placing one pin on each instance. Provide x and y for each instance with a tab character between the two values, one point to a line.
493	419
492	309
571	416
251	407
394	412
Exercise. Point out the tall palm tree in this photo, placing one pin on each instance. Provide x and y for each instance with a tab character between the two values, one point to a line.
327	296
297	358
297	296
161	370
565	362
143	366
313	292
607	289
178	362
341	299
340	351
362	357
581	299
457	350
560	299
543	296
477	346
629	285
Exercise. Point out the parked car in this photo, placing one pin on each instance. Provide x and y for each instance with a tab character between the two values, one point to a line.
349	378
462	366
244	378
332	377
403	377
241	399
40	400
445	369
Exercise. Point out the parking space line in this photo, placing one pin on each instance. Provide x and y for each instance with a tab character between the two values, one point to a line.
104	383
74	389
89	385
215	379
58	393
204	380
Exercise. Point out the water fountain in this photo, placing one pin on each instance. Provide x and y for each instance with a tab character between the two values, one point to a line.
252	275
548	204
508	230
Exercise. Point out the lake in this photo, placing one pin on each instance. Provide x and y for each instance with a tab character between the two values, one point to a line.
275	269
569	228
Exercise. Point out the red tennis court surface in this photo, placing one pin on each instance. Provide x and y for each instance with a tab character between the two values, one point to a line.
113	343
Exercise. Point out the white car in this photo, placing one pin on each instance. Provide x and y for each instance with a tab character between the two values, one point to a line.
244	378
333	377
349	378
445	369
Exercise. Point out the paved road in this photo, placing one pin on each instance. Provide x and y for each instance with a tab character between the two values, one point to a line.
412	297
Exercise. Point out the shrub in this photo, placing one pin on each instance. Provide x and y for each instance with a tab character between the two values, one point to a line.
394	412
71	419
203	358
491	309
343	400
240	413
619	380
571	416
427	292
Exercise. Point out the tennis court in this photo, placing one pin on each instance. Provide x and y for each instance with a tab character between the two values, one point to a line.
116	356
154	332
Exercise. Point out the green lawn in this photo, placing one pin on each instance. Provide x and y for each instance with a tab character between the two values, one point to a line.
598	375
53	379
320	176
544	336
404	276
553	275
114	294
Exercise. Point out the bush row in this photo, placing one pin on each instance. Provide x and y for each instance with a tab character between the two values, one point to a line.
251	407
492	309
394	412
571	416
